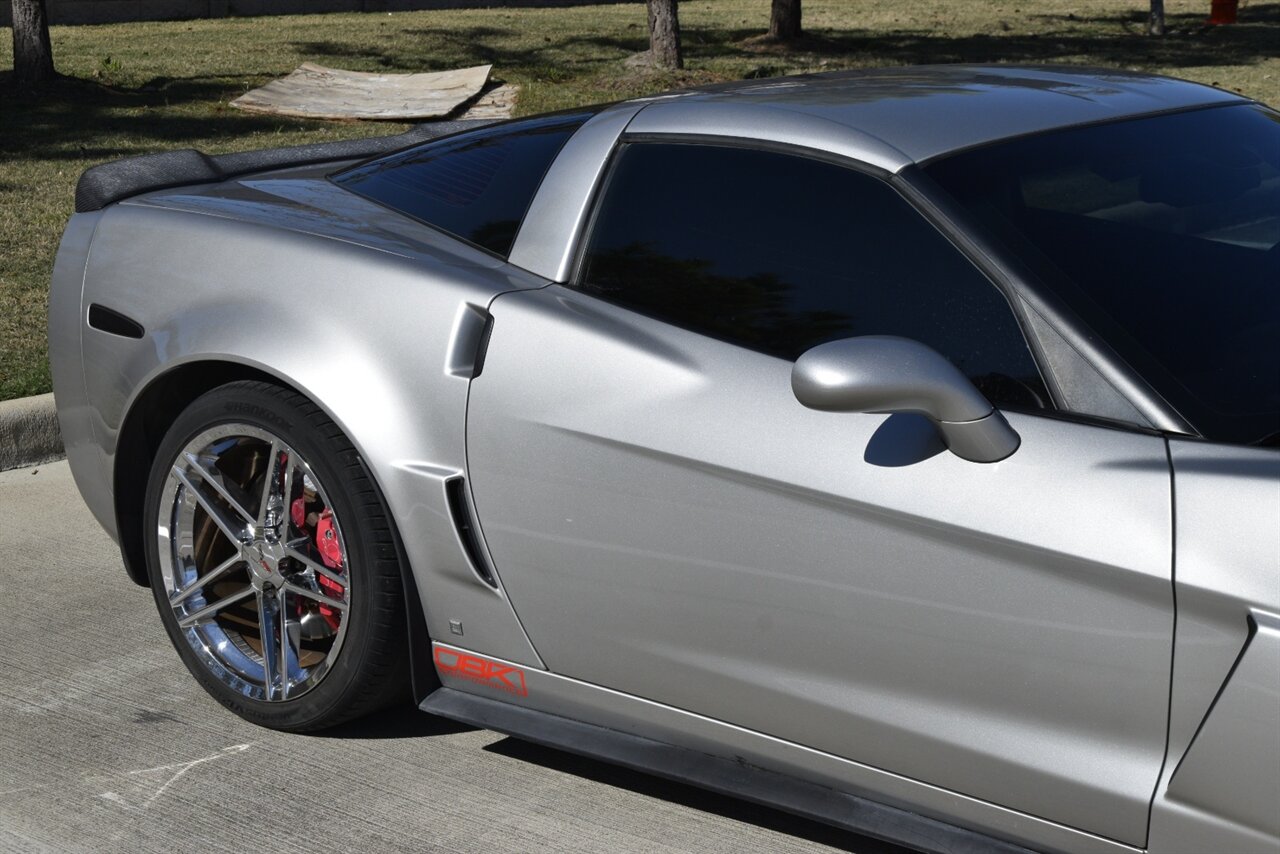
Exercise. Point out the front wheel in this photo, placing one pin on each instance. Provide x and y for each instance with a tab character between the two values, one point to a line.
272	561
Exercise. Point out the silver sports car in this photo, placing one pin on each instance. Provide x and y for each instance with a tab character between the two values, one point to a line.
898	447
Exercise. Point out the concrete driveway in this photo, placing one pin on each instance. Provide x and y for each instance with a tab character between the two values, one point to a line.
107	744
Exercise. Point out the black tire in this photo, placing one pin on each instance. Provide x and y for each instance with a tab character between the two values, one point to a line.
370	669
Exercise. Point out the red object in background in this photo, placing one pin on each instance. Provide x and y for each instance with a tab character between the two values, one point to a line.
1223	11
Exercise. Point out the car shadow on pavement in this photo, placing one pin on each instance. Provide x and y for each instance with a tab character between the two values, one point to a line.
691	797
400	721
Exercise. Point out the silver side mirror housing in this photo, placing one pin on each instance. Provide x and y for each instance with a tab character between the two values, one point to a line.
882	373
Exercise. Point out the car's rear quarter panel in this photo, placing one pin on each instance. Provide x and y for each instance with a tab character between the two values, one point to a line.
233	277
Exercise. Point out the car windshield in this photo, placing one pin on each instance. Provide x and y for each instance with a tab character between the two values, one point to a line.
1163	234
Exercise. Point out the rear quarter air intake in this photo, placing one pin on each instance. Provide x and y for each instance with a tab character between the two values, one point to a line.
460	511
113	322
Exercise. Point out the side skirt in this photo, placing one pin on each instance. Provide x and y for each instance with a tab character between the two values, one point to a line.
738	779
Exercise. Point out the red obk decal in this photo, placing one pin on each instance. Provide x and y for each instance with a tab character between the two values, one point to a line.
464	665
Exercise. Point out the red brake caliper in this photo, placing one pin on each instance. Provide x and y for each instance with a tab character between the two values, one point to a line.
330	552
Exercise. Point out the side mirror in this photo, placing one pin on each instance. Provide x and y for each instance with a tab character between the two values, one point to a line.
882	373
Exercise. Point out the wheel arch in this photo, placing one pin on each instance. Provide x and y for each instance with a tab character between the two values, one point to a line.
148	418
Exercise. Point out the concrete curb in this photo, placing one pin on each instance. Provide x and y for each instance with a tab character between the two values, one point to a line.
29	433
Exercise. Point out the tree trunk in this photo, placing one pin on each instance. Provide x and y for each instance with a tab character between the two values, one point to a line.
784	20
664	34
1155	22
32	53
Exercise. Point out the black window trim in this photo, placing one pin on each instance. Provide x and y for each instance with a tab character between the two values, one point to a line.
918	201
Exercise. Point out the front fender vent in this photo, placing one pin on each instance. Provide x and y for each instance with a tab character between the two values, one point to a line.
455	490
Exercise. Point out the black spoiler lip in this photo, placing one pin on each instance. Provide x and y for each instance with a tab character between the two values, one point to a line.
111	182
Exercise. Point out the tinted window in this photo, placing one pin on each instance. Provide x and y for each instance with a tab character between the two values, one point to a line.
779	253
1164	234
476	186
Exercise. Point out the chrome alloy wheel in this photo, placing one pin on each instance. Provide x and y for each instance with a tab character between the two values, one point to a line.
253	562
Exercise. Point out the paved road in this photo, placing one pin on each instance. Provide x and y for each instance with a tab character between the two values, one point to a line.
107	744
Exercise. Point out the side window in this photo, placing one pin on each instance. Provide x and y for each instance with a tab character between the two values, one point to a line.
475	186
778	253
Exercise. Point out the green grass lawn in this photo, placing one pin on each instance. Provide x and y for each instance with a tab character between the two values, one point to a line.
144	87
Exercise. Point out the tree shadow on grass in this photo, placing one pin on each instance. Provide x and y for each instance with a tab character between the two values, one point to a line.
70	118
1136	18
1058	37
76	119
466	41
1112	40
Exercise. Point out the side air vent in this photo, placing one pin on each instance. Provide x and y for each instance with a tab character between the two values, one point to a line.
113	322
456	492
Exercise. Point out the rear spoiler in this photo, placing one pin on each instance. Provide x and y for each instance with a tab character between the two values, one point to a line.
101	185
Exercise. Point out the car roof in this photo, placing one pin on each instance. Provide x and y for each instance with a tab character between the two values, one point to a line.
894	116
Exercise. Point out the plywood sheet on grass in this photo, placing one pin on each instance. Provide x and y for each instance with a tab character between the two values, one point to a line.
316	92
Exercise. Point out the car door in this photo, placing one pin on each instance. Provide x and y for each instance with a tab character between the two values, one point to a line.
671	523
